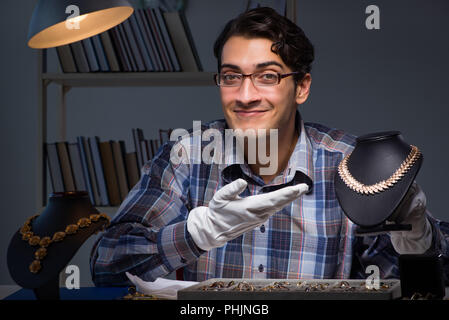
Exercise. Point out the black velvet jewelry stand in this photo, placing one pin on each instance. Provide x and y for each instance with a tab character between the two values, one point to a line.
64	208
375	158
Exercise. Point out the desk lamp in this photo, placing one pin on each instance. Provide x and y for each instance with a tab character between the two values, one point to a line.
59	22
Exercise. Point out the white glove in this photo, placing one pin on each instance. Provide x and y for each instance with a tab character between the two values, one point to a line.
412	211
161	287
228	215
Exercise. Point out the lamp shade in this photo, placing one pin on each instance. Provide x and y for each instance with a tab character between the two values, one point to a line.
58	22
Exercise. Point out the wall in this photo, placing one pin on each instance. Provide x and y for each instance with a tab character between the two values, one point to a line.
364	81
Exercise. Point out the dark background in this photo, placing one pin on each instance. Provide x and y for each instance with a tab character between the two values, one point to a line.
395	78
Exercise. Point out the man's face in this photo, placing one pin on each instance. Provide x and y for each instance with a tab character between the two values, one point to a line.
249	106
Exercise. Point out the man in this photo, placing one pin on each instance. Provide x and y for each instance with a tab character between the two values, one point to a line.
235	220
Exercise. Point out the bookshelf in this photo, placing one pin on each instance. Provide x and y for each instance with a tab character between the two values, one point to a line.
66	81
131	79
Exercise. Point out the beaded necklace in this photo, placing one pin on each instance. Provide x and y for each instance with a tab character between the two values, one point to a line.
34	240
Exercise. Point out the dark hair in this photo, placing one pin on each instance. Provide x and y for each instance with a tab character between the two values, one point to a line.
289	40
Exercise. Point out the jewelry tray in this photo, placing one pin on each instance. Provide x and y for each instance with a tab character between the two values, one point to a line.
286	289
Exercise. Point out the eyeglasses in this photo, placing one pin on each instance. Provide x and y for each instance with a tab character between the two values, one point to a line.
259	79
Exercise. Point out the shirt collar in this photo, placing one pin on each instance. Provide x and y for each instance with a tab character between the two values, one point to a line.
299	164
302	157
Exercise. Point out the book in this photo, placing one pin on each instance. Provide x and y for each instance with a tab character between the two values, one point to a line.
66	166
145	152
119	152
110	51
125	43
137	137
180	41
90	55
88	169
119	49
140	42
164	135
190	39
149	39
66	59
151	149
133	46
75	160
80	56
167	40
132	170
100	53
110	175
156	146
98	168
54	167
166	65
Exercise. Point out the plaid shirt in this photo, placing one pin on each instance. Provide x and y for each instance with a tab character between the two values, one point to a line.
310	238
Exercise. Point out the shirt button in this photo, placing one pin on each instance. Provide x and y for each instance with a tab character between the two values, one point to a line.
260	267
262	228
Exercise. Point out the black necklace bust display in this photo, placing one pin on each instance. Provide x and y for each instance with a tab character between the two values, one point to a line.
46	243
374	178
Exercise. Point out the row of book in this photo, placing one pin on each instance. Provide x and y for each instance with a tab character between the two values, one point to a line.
150	40
146	149
102	168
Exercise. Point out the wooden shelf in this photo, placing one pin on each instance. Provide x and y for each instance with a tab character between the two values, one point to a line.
131	79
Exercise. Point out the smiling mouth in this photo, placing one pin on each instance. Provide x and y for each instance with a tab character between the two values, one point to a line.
249	113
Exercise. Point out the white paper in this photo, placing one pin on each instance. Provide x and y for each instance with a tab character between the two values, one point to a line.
161	288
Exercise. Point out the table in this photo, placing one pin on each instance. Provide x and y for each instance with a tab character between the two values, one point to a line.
13	292
84	293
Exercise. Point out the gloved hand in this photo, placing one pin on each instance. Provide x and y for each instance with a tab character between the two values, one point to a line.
228	215
412	211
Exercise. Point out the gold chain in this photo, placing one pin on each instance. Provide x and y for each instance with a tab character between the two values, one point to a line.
34	240
383	185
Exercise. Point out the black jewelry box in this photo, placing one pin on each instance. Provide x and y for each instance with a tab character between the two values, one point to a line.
422	274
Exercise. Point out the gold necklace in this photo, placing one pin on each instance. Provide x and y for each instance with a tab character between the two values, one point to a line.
383	185
34	240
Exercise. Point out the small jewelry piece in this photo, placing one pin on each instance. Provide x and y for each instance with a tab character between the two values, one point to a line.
244	286
383	185
133	294
34	240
